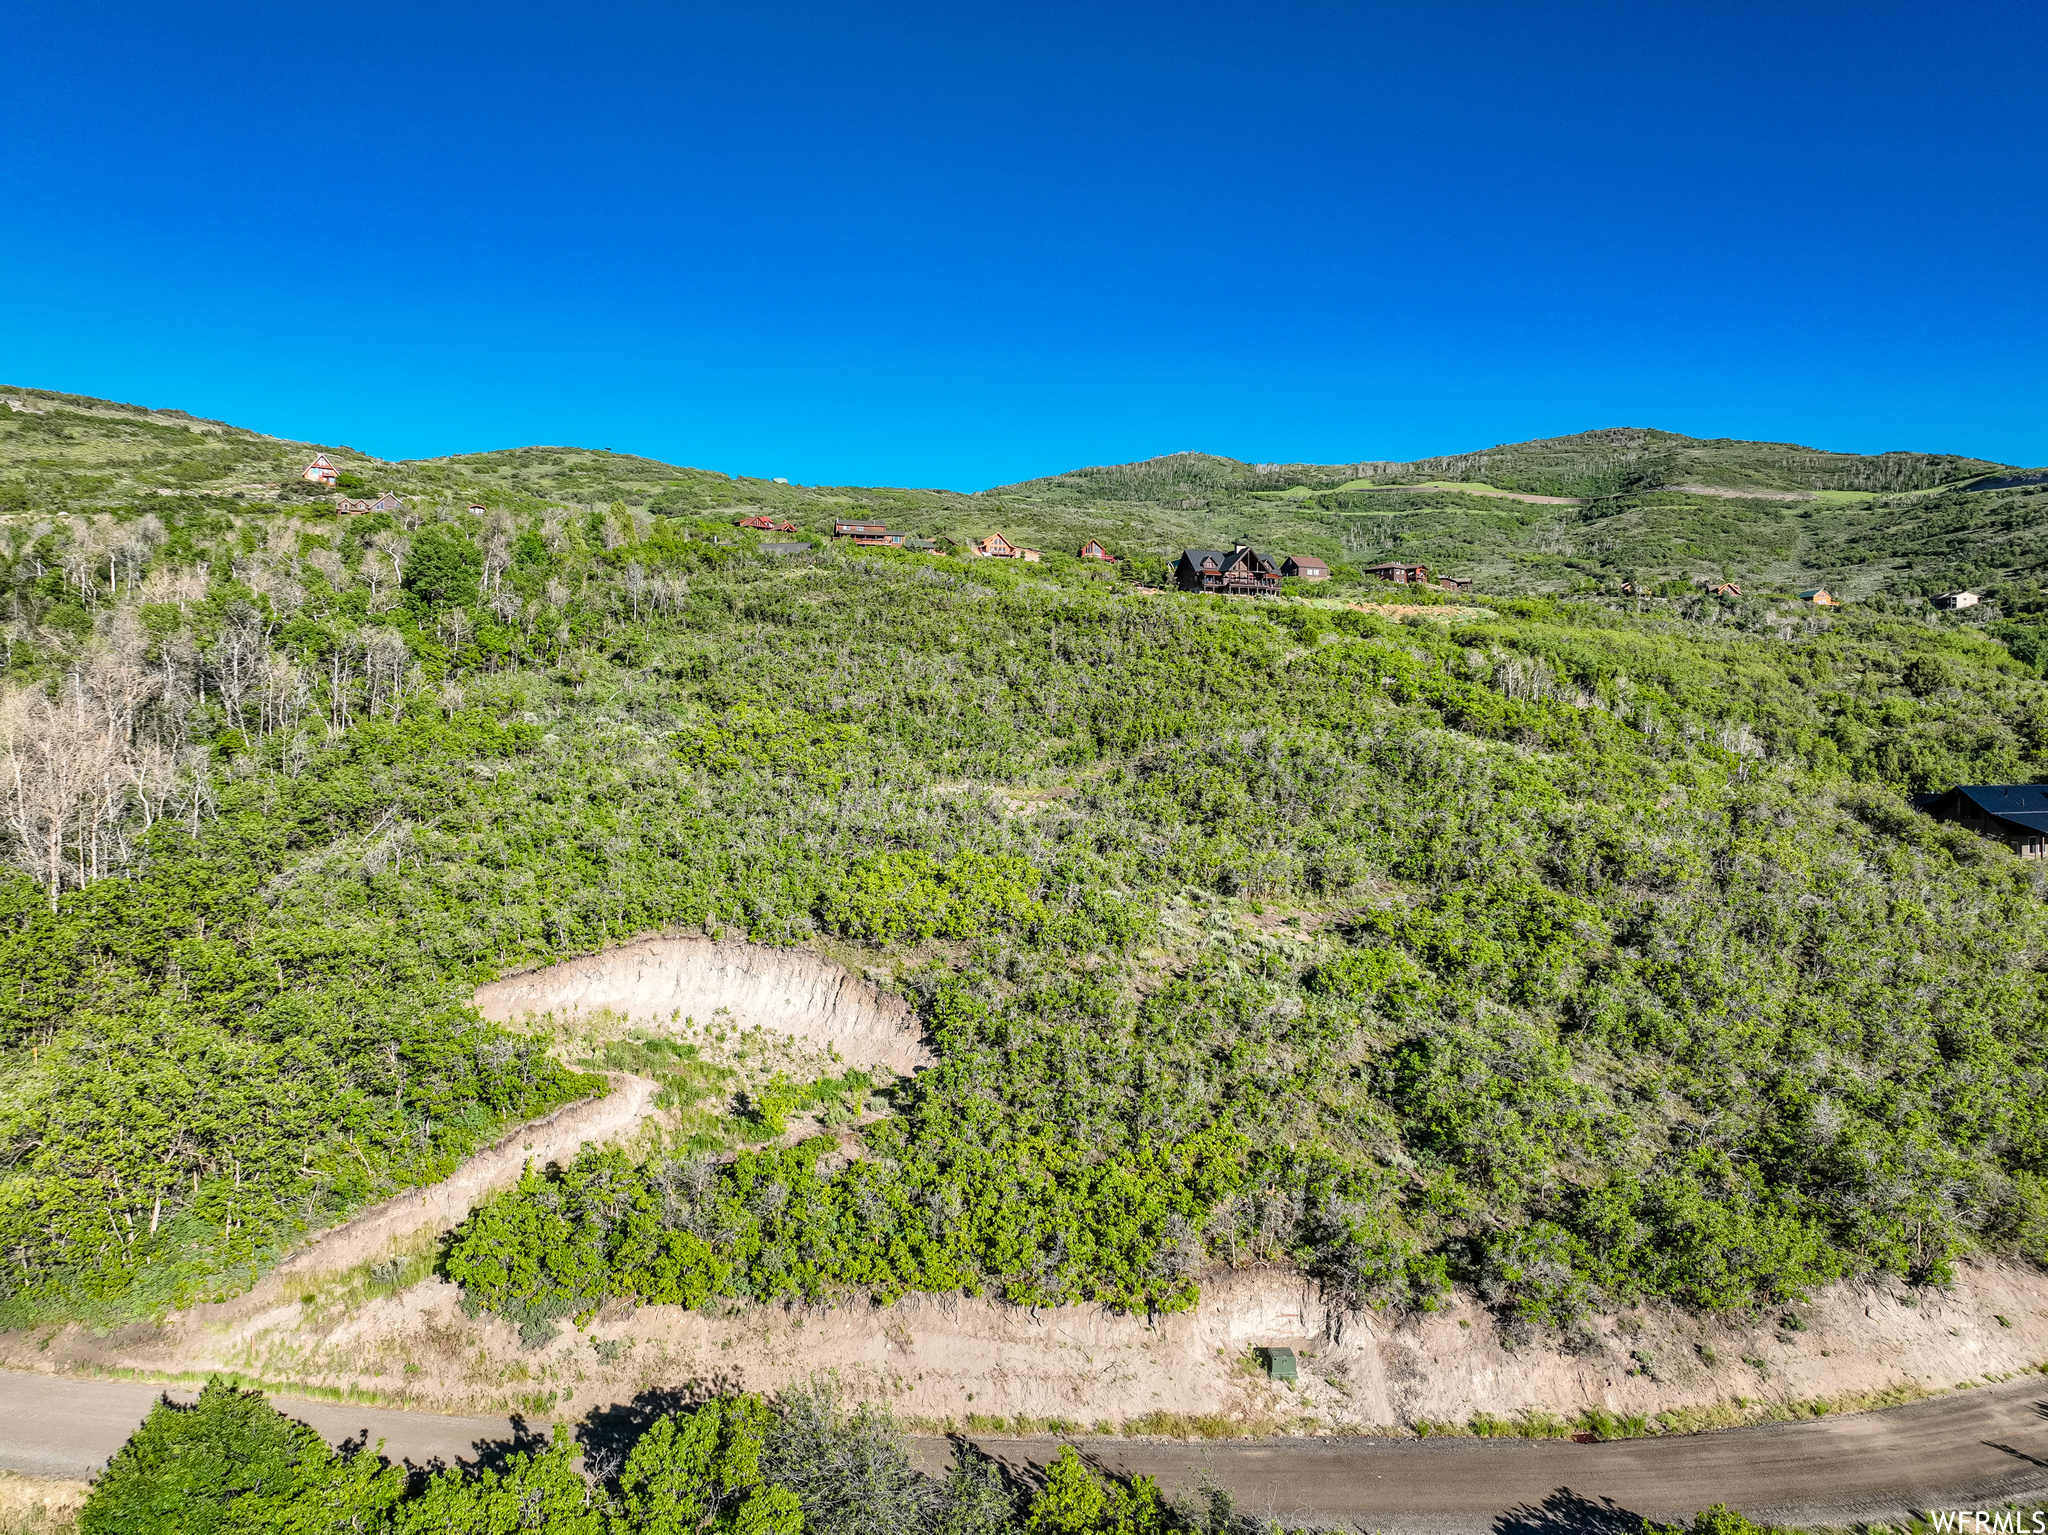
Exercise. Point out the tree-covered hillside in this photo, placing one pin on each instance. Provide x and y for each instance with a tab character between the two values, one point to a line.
1577	949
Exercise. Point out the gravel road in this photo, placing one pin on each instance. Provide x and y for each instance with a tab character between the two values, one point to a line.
1970	1449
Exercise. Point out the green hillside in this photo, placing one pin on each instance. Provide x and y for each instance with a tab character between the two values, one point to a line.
1580	950
1641	505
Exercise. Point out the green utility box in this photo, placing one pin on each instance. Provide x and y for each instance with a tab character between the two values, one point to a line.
1279	1363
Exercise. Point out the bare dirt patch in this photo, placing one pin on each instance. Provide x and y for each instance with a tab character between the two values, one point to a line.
961	1362
672	983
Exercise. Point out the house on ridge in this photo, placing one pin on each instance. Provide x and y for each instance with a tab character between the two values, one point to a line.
1238	572
997	547
320	471
867	535
1398	573
1304	567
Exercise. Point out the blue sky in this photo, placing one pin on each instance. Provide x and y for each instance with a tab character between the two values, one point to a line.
963	245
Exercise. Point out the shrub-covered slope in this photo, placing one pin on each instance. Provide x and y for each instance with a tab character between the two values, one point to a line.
1575	949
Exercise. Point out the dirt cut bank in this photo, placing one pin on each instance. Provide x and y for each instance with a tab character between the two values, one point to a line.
662	982
946	1361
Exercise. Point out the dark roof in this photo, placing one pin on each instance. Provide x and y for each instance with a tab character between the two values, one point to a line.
2023	804
1225	558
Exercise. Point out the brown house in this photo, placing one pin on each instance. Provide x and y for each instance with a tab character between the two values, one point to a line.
1723	589
1398	573
869	535
997	547
1454	583
1304	567
1239	572
1093	550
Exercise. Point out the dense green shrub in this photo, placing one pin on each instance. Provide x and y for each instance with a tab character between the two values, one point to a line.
1578	954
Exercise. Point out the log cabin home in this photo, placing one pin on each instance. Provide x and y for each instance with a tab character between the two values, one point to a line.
1455	583
1304	567
1239	572
1093	550
1723	589
2013	813
1819	596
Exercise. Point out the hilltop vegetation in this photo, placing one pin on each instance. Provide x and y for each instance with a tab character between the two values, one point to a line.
1584	951
1634	504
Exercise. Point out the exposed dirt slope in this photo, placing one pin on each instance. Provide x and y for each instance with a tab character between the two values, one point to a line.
662	982
941	1359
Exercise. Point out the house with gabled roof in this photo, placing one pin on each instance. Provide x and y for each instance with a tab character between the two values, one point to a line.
320	471
1304	567
1093	550
997	547
1238	572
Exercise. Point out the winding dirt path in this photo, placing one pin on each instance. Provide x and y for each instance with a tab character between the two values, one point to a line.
389	1227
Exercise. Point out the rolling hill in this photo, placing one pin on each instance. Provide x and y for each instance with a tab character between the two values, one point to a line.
1569	513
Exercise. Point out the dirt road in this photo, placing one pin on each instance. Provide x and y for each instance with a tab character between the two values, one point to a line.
1970	1449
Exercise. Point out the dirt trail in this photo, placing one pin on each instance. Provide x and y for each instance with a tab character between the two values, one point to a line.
402	1221
661	982
385	1227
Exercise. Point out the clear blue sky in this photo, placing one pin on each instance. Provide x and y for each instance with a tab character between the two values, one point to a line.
961	245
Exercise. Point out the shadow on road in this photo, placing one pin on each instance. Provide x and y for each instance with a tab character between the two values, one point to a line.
1565	1512
609	1433
496	1454
2032	1460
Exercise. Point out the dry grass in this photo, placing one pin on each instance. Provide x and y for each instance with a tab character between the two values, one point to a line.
38	1505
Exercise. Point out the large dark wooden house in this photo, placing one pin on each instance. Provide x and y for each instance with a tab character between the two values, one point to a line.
1239	572
2013	813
